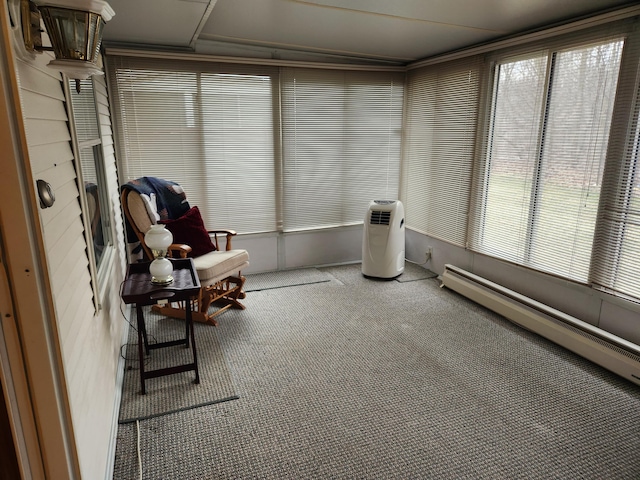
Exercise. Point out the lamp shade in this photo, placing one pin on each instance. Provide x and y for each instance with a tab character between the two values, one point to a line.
158	239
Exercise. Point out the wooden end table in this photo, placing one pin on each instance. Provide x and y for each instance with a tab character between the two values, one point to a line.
137	288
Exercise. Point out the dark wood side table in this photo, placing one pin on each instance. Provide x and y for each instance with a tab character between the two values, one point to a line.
137	288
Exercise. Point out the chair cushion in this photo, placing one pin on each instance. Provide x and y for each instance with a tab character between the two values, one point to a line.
220	264
190	229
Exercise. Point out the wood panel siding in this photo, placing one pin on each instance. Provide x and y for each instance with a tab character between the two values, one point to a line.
90	340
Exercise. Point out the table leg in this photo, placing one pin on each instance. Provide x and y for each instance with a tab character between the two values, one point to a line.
189	318
145	337
186	324
141	332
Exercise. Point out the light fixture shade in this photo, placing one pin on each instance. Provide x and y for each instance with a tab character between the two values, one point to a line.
75	30
158	239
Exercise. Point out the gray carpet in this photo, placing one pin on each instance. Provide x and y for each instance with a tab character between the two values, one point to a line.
176	392
366	379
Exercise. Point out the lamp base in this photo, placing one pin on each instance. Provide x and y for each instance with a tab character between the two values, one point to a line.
161	269
162	281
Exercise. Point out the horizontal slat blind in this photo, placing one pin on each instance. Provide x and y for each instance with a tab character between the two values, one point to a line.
208	127
574	149
546	147
84	111
442	112
513	156
617	246
86	124
341	144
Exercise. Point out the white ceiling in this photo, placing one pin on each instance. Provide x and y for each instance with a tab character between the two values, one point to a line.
394	31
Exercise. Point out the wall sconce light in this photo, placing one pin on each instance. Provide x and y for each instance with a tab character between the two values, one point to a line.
74	28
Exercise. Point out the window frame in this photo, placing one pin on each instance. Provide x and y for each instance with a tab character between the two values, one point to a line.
551	49
428	169
195	170
99	270
614	215
311	161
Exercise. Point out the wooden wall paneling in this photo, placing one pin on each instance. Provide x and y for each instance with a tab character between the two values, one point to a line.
81	312
90	340
36	318
71	271
36	105
64	226
75	357
39	80
49	155
44	132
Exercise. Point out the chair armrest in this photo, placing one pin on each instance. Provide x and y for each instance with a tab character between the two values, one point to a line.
227	233
180	249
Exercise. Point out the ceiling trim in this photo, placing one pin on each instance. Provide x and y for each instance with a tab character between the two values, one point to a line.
125	52
574	26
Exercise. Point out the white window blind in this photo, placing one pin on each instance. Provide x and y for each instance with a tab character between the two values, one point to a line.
617	246
546	148
341	144
206	126
442	112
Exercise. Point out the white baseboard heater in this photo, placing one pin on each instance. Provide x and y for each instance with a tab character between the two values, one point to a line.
603	348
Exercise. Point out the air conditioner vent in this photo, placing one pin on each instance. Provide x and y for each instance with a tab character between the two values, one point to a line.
380	218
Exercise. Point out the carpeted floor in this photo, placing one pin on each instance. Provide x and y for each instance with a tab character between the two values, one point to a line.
355	378
177	392
287	278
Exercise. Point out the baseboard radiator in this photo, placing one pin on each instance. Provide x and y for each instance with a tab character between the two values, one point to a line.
603	348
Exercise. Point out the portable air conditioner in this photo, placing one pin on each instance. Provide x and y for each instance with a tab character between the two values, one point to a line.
383	239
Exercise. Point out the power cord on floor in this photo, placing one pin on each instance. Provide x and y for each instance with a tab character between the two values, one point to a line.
139	454
437	277
416	263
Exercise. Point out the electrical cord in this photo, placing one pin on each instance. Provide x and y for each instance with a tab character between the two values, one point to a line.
135	359
416	263
421	264
139	454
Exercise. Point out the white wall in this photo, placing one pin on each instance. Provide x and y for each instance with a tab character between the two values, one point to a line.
614	315
271	252
90	340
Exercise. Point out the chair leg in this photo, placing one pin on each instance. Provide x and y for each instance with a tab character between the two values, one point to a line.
181	314
205	298
222	294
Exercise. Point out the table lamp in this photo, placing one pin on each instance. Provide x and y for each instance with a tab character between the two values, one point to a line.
158	239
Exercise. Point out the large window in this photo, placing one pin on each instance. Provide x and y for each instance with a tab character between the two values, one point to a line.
210	129
250	161
442	111
546	149
617	247
92	178
341	144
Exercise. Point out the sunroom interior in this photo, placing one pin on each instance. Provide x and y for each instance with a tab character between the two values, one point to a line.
511	138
